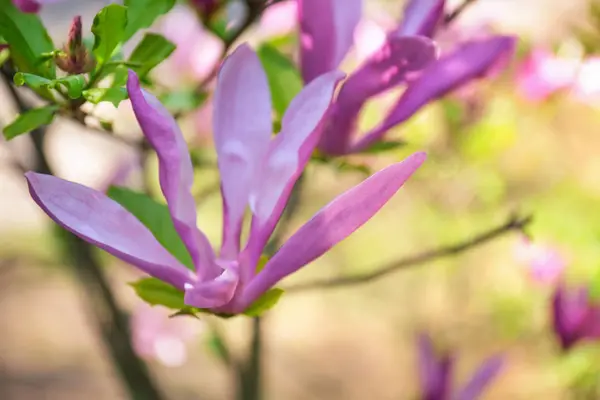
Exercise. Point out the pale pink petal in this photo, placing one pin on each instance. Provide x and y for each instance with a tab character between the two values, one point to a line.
214	293
279	19
368	38
99	220
326	33
586	87
543	74
242	131
175	172
332	224
289	154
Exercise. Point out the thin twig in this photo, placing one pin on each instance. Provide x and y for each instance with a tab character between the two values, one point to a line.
514	223
453	15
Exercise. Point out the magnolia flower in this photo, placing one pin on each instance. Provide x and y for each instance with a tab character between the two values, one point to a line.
575	316
157	336
327	28
31	6
257	172
545	264
436	374
543	74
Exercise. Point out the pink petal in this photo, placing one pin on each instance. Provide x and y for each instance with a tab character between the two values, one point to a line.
422	17
214	293
279	19
242	132
471	61
332	224
482	378
175	170
326	33
387	68
289	153
102	222
27	6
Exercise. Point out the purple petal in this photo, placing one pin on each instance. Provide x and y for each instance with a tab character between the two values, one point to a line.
214	293
435	372
326	34
388	67
242	132
27	6
484	375
332	224
175	172
422	17
471	61
289	153
102	222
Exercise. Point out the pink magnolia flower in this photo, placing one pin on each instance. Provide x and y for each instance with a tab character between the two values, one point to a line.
257	172
545	264
32	6
436	374
575	316
327	28
543	74
157	336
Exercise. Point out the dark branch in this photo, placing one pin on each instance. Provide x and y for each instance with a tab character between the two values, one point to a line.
513	224
453	15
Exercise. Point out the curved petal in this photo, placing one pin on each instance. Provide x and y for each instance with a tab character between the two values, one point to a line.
102	222
470	61
242	132
332	224
481	379
175	171
388	67
435	372
289	153
214	293
422	17
326	34
27	6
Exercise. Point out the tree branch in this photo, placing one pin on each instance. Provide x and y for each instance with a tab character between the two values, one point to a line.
453	15
514	223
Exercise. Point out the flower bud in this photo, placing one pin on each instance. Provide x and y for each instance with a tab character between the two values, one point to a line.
75	59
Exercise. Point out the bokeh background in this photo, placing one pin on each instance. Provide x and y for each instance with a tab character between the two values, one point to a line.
495	148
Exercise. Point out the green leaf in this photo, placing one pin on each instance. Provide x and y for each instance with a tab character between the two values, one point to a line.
114	95
109	31
29	121
143	13
264	303
183	101
74	85
156	217
283	76
28	39
32	80
151	51
382	147
156	292
262	261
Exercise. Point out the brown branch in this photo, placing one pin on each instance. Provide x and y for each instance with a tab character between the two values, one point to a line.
453	15
514	223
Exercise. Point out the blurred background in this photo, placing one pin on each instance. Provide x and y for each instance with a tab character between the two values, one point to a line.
525	141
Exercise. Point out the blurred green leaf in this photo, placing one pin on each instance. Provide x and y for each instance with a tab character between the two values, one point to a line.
264	303
382	147
156	217
73	84
283	76
143	13
183	101
28	39
114	95
31	80
30	120
151	51
109	31
156	292
217	346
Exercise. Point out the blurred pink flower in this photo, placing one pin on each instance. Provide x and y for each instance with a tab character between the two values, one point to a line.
198	50
156	336
586	87
543	74
279	19
545	264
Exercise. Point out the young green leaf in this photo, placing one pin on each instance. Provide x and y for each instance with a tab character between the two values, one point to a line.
73	84
114	95
264	303
382	147
27	38
32	80
156	292
151	51
143	13
29	121
283	76
156	217
109	31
